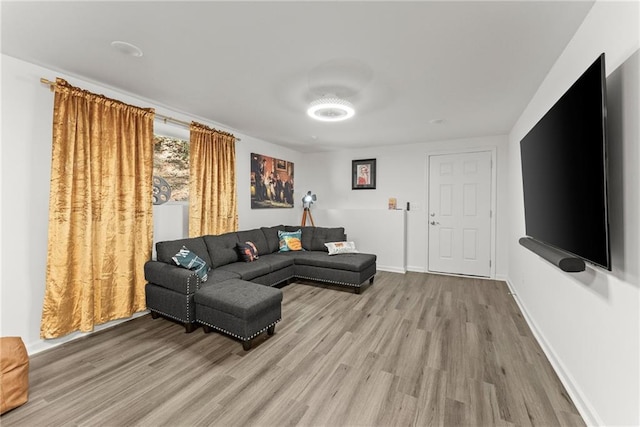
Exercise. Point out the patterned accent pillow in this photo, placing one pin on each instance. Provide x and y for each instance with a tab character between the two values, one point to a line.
187	259
290	240
336	248
248	251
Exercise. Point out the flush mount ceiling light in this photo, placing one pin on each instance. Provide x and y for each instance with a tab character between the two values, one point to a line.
127	48
330	109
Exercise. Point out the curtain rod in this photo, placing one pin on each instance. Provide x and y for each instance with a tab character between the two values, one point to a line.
162	117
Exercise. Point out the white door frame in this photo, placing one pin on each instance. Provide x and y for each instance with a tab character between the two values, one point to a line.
493	151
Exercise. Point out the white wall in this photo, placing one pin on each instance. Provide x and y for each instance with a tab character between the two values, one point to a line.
378	231
27	111
588	323
401	173
26	164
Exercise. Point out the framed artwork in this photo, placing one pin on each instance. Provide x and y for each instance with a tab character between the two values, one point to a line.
271	182
363	174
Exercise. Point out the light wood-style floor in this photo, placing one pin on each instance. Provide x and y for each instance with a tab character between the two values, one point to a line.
412	349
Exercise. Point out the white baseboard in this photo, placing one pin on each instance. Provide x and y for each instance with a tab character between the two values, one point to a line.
582	404
391	269
422	269
42	345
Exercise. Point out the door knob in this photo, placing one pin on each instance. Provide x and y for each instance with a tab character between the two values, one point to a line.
432	214
434	223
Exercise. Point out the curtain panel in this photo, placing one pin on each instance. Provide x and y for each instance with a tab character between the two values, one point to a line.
100	211
212	186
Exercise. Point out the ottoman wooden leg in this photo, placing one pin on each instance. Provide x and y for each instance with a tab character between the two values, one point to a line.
271	330
246	345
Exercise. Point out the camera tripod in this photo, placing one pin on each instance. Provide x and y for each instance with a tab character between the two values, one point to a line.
305	213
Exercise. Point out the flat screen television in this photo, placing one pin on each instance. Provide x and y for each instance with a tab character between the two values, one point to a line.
564	172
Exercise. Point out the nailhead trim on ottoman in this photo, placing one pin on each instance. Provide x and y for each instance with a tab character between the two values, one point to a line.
239	308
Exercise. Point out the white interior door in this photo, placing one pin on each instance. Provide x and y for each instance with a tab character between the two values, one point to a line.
460	213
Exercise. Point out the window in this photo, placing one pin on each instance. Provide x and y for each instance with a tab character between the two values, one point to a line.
171	165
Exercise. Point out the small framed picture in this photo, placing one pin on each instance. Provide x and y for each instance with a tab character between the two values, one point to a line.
363	174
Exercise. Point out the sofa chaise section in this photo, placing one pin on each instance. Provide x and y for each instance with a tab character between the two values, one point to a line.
351	270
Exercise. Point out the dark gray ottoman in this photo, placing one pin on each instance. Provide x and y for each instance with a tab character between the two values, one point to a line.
239	308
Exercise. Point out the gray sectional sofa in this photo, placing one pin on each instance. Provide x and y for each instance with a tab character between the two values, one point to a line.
171	289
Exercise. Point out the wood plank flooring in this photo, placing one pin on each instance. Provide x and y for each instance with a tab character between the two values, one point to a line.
412	350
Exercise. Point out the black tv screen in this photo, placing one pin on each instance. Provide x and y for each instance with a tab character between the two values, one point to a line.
564	172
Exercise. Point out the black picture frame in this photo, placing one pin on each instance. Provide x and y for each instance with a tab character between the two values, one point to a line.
363	174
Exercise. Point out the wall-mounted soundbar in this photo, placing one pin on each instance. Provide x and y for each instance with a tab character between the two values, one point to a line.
563	260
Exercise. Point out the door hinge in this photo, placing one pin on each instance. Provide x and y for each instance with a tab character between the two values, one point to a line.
490	213
489	263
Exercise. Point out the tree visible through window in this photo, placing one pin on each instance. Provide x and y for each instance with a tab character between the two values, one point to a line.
171	162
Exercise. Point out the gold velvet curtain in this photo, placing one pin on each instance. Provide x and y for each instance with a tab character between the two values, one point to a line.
212	188
100	211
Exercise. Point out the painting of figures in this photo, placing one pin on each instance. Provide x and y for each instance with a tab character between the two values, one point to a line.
271	182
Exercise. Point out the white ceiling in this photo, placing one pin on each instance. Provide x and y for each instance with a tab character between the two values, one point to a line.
252	67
